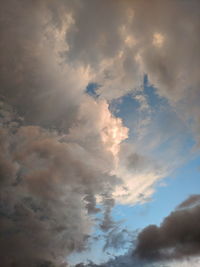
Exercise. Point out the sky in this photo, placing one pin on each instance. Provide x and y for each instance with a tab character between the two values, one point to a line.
100	133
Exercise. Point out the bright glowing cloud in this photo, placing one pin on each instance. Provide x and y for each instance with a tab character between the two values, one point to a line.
158	39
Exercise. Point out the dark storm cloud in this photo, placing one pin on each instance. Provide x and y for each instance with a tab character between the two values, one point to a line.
177	237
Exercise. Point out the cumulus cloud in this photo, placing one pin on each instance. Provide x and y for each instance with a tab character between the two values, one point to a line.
176	237
61	150
56	47
57	154
33	78
49	186
158	38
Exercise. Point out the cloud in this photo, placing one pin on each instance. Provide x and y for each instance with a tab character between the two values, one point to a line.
139	174
174	243
57	53
39	204
57	153
190	202
61	150
118	239
138	38
107	222
49	186
56	50
33	78
177	236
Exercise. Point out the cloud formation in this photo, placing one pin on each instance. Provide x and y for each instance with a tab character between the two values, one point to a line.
177	236
57	154
56	50
61	150
47	187
176	242
158	38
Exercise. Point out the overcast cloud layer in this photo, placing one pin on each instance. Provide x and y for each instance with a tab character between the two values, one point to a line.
64	156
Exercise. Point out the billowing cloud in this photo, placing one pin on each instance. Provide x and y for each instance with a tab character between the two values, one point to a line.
56	50
61	150
177	236
33	78
49	186
136	37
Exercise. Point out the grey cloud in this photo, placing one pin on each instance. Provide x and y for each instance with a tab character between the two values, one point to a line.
91	203
137	162
47	192
39	217
49	182
171	62
173	67
107	221
176	242
177	237
125	260
98	37
193	200
32	68
33	78
118	239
